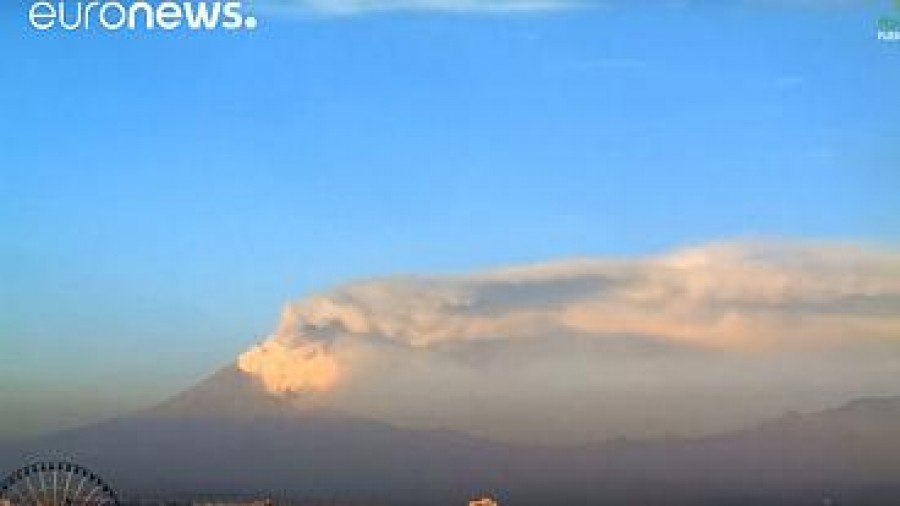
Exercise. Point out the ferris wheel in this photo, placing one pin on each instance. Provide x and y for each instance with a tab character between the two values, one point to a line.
55	484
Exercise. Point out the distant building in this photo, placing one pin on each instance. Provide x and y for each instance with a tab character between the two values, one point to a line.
483	502
5	502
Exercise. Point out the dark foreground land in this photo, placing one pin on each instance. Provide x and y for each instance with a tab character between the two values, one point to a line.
227	439
872	496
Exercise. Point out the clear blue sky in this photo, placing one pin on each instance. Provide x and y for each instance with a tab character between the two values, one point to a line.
161	195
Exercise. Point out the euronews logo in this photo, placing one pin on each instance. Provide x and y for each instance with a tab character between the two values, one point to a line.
115	15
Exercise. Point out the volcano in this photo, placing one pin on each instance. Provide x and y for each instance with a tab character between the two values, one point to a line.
230	436
728	334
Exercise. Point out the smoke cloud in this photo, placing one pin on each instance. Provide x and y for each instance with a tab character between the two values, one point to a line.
633	345
289	363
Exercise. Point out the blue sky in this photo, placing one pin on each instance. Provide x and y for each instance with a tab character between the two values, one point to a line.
161	194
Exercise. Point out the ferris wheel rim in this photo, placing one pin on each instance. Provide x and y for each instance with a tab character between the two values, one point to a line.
60	473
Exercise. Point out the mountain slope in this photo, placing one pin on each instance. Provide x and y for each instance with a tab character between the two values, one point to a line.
228	435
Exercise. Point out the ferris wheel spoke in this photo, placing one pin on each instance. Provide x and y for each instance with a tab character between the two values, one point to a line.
78	490
31	488
46	488
101	500
43	494
65	491
56	484
87	500
51	481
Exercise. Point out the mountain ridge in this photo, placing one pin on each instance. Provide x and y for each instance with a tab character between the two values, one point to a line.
228	435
